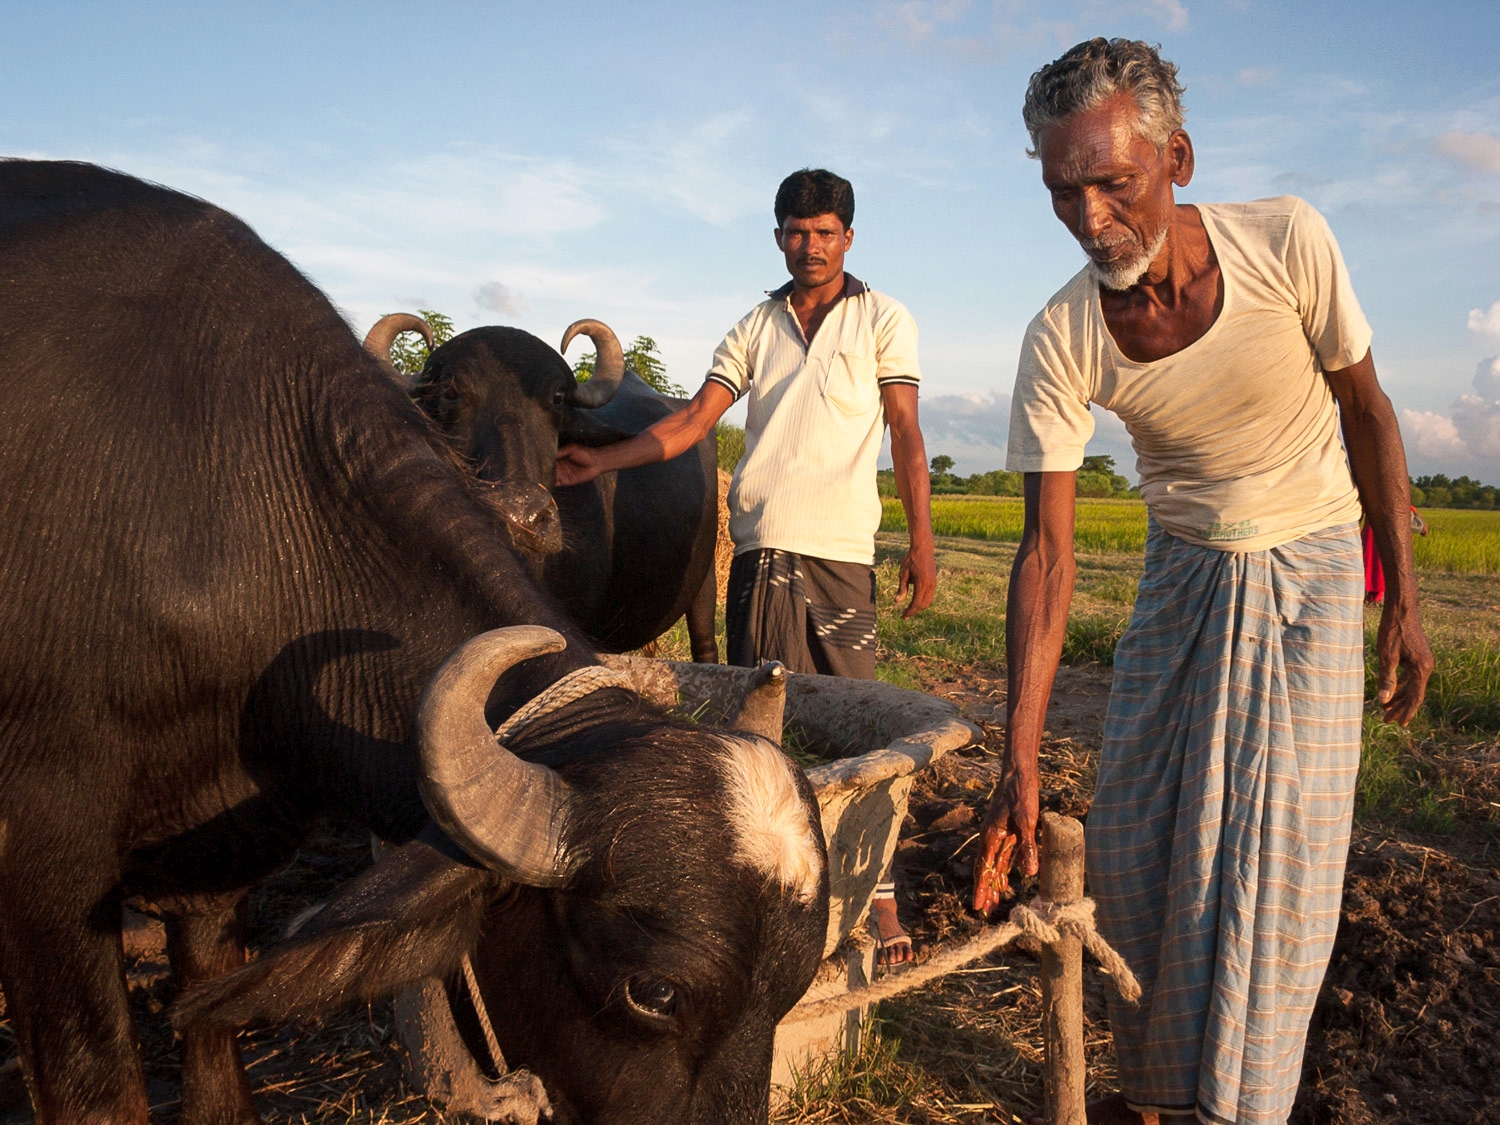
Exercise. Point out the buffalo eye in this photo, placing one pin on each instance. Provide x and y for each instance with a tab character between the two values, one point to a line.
652	996
450	392
559	398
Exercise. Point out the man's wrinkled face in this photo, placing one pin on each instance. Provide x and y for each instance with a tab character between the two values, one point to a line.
1112	189
814	248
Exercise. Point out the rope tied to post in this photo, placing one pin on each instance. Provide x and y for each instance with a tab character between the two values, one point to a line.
1046	923
1039	920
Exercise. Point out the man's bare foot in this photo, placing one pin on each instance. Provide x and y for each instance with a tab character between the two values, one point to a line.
895	944
1113	1111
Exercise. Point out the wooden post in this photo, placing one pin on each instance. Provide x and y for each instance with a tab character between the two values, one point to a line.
1062	975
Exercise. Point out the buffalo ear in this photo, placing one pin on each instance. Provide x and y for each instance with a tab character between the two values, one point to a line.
413	915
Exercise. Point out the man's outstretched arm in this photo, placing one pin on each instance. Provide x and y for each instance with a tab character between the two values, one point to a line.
1036	623
1378	461
670	437
909	458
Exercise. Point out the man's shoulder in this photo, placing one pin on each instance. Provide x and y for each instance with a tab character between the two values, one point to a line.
1065	308
759	313
883	305
1269	222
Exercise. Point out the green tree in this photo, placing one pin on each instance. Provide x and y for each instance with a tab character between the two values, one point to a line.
942	464
644	358
996	482
1097	478
409	352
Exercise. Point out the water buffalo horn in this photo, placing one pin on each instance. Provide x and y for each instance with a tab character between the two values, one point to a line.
383	333
762	708
508	814
609	362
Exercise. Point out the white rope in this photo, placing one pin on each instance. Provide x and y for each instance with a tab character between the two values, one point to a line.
490	1039
1040	920
575	685
1047	922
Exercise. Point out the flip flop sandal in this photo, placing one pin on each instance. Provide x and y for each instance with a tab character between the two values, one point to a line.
887	892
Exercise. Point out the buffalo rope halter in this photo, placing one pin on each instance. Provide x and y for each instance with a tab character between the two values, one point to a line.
574	686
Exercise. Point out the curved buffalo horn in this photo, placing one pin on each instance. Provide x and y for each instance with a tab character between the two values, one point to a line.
609	366
761	710
383	333
508	814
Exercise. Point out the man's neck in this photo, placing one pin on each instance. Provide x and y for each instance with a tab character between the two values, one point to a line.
1178	299
1178	269
826	294
811	305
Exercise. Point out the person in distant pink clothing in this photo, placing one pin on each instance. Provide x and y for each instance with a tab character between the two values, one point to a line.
1374	572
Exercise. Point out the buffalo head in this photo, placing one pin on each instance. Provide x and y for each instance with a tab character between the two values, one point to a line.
642	899
505	400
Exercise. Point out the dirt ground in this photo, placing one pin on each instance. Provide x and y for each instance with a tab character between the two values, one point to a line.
1405	1026
1404	1031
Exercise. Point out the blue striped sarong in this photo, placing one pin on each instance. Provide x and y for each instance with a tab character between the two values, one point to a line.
1220	824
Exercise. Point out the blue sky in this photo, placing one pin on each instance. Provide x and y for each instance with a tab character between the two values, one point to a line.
530	164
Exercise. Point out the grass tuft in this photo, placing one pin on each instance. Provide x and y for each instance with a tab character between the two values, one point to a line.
867	1085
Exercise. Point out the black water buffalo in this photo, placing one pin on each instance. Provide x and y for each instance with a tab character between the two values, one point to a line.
234	557
629	553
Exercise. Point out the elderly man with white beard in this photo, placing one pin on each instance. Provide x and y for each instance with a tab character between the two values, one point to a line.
1228	339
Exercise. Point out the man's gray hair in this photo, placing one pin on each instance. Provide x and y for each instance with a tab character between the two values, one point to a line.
1097	69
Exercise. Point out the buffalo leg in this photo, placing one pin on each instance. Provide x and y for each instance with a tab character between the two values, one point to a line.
62	963
700	620
203	942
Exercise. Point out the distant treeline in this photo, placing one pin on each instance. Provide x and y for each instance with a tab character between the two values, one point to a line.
1097	479
1461	492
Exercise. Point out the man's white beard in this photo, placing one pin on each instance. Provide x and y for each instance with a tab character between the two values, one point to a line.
1122	275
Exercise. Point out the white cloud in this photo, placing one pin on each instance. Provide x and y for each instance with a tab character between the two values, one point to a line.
911	21
699	168
1478	152
984	33
1432	437
1477	420
1485	321
495	297
970	428
974	429
1172	13
1487	378
1467	440
1257	76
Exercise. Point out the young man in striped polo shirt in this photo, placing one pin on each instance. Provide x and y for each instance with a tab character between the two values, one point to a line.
827	363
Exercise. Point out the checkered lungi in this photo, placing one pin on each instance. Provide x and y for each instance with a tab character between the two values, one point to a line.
811	614
1220	824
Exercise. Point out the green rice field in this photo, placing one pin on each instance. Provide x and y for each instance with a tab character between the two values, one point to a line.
1461	542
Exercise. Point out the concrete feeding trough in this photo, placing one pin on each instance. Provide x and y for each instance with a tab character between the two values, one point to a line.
872	740
878	738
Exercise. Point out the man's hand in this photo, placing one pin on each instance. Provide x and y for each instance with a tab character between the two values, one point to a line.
919	571
1401	647
577	464
1007	836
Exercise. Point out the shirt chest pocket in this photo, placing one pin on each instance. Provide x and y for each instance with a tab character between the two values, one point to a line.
849	382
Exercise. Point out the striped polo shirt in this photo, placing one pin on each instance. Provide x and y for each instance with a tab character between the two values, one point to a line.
813	432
